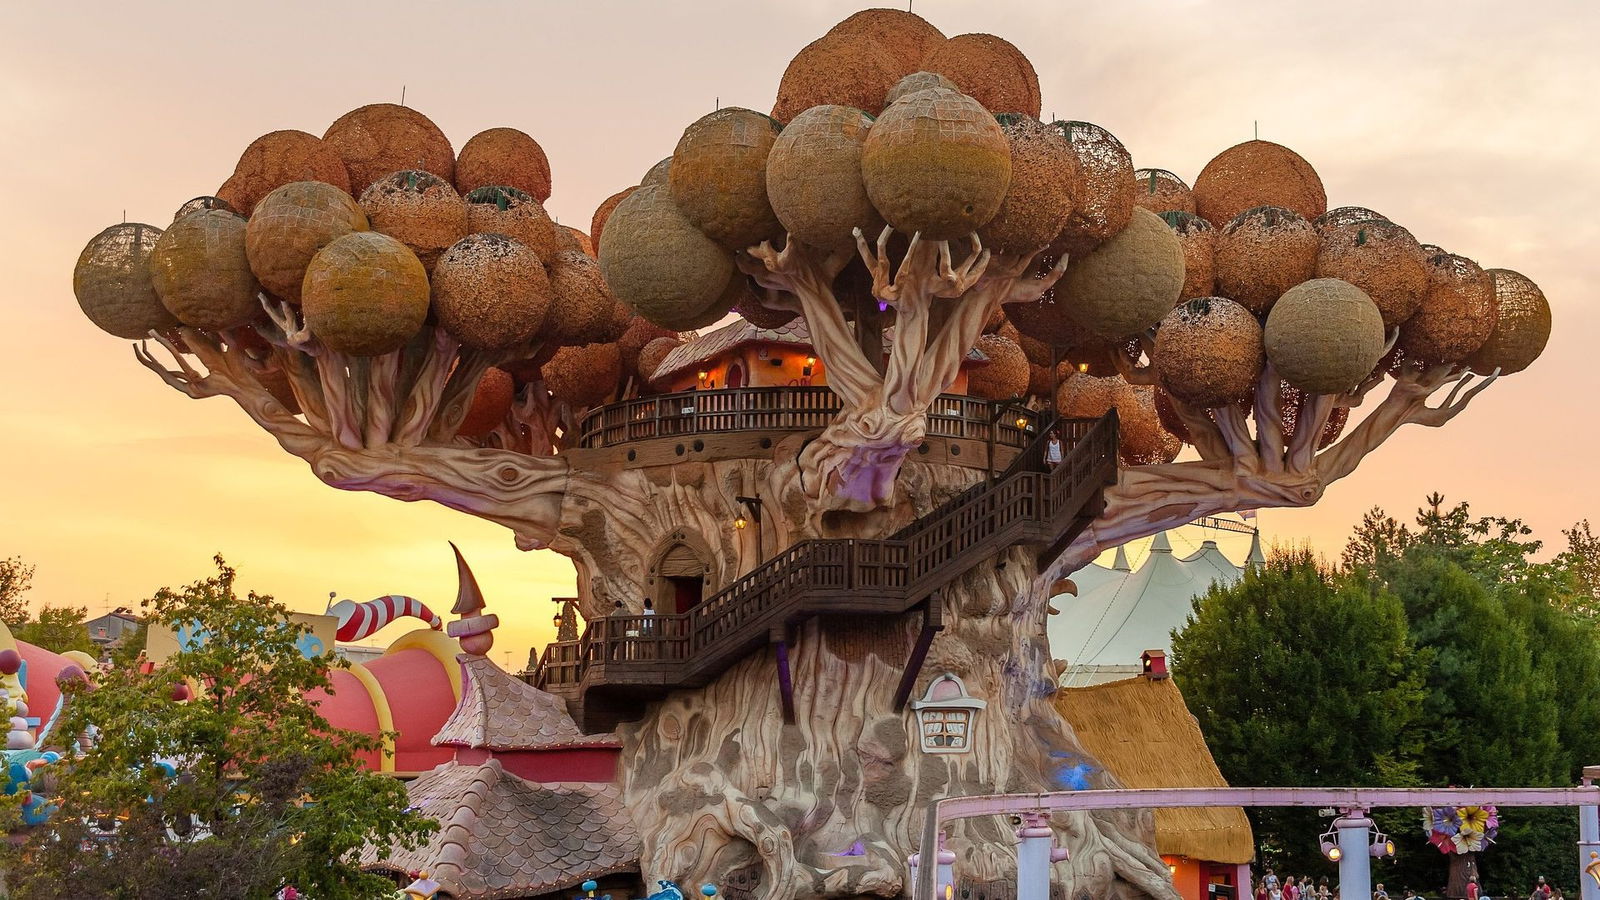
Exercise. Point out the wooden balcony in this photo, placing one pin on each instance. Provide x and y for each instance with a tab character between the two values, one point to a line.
725	410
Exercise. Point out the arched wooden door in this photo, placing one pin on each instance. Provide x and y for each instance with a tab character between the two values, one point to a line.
680	576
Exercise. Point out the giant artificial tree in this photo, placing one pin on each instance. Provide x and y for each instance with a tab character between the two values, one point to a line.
409	321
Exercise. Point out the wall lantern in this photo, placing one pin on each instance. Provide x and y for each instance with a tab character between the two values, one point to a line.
811	363
946	715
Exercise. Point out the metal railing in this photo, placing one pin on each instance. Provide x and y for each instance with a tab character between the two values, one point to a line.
723	410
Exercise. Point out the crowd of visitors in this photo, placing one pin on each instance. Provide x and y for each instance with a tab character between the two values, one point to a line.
1270	887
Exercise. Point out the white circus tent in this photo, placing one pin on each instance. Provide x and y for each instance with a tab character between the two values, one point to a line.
1119	612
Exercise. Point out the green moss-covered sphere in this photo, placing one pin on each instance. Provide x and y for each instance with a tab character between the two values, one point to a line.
1521	327
814	178
659	264
289	226
113	285
365	294
719	177
201	272
1324	336
1129	282
936	162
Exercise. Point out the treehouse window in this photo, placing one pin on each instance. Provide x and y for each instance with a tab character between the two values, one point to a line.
946	716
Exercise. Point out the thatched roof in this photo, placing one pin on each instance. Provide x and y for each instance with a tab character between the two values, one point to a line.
1143	734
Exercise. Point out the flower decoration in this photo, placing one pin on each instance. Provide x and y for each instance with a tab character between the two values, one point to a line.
1461	829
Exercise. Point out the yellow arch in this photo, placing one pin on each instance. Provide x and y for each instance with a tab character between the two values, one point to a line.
440	646
87	662
380	706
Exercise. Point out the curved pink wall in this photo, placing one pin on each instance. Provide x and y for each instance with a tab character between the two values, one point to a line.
43	666
420	700
349	707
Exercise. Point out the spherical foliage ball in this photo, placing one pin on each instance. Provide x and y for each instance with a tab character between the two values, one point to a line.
1262	253
938	163
659	174
1199	243
583	376
1521	326
1038	201
1382	259
1258	173
491	403
366	294
1101	185
1161	191
1290	400
1347	215
990	70
917	81
651	356
597	224
1143	439
197	204
290	225
383	138
1208	352
753	311
637	333
515	214
505	157
664	268
1128	283
583	302
274	160
113	285
814	178
1456	315
1324	336
856	63
201	272
490	292
719	176
575	239
419	210
1005	376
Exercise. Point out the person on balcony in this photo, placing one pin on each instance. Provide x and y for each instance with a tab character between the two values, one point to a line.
1052	449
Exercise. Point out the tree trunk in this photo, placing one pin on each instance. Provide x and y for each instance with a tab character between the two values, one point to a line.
720	786
1462	867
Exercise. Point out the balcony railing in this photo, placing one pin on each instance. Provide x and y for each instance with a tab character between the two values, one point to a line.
724	410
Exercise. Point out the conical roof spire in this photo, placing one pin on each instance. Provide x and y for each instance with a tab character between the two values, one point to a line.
1161	544
1256	559
469	599
1120	564
475	629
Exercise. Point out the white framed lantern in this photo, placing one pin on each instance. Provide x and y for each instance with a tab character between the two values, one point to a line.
947	715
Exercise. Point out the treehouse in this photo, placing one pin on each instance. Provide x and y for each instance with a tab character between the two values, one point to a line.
742	354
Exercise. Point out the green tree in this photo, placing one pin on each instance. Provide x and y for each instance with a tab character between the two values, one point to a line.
267	793
1581	562
58	629
16	577
130	645
1301	675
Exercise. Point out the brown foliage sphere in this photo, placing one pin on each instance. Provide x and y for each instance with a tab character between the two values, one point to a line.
597	224
583	376
1037	202
1101	185
1382	259
1262	253
1347	215
491	403
1258	173
1143	439
1005	376
990	70
938	163
1128	283
1456	315
917	81
637	333
417	209
383	138
856	63
290	225
515	214
658	174
653	353
664	268
274	160
583	304
1161	191
574	239
719	176
1324	336
490	292
751	310
1199	243
197	204
1208	352
366	294
200	271
113	286
1521	328
505	157
814	178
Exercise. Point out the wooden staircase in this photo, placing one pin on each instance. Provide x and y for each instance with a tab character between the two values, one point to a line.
622	662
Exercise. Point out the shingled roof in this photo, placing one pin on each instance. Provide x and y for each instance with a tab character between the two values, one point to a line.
707	347
502	836
499	711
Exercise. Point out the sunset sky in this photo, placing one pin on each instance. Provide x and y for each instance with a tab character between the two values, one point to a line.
1473	125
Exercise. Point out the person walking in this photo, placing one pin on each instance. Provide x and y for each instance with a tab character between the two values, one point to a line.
1052	456
1541	890
1472	887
